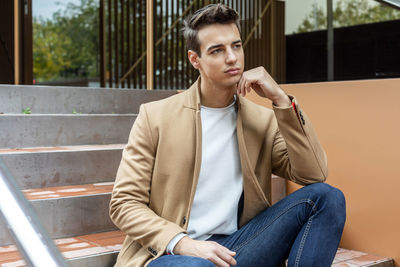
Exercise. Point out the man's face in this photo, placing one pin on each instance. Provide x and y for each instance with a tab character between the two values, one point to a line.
222	58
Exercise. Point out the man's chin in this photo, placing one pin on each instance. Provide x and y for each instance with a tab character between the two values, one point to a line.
234	81
228	83
230	86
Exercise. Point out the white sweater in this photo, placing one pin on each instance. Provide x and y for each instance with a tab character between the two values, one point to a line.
215	205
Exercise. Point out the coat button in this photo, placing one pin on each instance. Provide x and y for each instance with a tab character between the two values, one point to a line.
302	118
184	220
152	251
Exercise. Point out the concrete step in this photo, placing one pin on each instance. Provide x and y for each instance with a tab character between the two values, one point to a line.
70	210
59	130
100	250
66	165
66	100
81	209
352	258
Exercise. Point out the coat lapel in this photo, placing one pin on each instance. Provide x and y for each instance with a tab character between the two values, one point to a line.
254	197
192	102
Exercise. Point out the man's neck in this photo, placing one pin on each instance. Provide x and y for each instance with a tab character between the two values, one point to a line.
216	97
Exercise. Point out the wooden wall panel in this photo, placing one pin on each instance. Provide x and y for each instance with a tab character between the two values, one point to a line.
7	42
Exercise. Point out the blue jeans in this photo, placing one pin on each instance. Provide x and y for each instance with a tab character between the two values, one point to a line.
304	227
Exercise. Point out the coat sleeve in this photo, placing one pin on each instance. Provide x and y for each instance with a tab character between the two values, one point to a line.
297	153
129	205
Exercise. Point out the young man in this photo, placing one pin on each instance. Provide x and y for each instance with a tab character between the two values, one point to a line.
194	184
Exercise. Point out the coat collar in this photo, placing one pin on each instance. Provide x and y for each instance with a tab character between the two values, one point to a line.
192	100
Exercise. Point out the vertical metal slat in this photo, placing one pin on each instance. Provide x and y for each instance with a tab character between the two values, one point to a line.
122	42
253	43
178	76
189	67
172	51
156	56
166	47
140	30
128	39
110	70
102	45
258	33
116	62
134	45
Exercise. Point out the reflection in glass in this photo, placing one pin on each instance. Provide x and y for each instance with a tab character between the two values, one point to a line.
310	15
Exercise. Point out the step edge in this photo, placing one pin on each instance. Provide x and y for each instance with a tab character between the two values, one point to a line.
94	255
69	197
68	148
68	115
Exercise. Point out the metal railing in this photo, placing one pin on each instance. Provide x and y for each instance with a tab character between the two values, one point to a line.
33	241
392	3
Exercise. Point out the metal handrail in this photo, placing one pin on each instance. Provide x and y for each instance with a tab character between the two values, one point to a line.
391	3
33	241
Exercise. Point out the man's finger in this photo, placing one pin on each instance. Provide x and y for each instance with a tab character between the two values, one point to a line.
228	259
227	255
228	251
240	85
247	87
219	261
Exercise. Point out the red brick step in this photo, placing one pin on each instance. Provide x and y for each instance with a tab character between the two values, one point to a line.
71	248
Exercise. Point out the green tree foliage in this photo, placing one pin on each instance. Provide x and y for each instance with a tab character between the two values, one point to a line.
67	45
348	13
313	21
50	50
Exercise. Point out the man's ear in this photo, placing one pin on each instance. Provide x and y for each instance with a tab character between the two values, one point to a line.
194	59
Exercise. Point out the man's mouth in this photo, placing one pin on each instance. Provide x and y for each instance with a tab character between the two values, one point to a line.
233	71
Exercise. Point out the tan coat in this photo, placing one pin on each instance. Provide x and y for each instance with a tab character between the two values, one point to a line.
157	177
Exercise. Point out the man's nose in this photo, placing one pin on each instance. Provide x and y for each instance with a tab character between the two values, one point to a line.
230	56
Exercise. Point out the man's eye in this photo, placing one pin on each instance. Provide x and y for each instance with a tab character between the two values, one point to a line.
216	51
238	45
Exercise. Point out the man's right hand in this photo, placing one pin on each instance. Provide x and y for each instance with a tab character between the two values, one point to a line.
209	250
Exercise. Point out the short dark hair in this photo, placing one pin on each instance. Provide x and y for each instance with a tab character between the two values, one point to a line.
210	14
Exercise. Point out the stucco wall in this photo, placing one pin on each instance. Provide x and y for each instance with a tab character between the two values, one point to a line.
358	123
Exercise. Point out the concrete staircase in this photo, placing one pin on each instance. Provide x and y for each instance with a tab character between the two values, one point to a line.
64	156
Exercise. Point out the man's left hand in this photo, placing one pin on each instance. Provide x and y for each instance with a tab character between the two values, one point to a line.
264	85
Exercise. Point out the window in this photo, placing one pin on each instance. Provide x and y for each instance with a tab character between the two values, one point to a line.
66	42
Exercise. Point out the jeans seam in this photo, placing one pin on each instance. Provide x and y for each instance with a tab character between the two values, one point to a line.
303	241
309	201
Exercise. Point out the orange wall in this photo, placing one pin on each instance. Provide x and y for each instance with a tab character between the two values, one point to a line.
358	123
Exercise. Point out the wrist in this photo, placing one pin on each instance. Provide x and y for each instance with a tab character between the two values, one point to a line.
179	247
171	245
281	99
